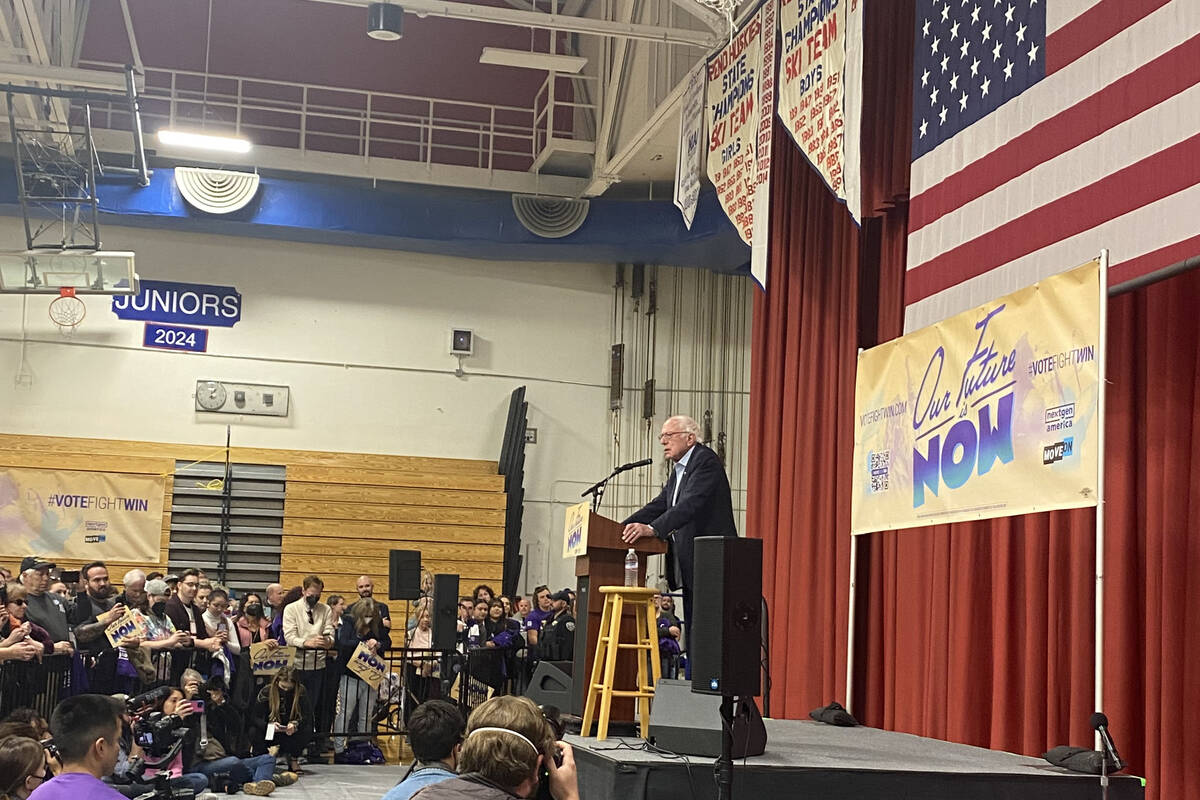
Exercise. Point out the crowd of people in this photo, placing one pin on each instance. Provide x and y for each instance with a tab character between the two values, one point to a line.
187	659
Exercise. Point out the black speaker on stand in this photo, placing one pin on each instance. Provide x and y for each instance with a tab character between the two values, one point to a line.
725	656
444	613
404	574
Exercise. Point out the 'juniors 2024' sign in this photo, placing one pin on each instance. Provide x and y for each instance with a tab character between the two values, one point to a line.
990	413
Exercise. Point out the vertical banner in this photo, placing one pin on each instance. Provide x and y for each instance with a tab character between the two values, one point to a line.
734	78
992	413
761	206
691	131
820	88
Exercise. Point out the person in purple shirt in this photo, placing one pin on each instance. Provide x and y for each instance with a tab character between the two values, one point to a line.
87	733
535	619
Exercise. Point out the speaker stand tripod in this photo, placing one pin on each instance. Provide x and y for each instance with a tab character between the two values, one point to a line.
724	765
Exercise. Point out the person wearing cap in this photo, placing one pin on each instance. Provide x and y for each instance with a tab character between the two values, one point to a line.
558	635
44	608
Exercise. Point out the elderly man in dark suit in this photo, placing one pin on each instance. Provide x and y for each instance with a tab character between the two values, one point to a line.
694	502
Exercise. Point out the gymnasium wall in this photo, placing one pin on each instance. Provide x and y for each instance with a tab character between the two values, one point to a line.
361	337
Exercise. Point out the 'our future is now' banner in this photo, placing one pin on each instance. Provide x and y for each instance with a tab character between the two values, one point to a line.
990	413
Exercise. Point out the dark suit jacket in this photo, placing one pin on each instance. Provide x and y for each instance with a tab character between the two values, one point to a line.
179	616
704	508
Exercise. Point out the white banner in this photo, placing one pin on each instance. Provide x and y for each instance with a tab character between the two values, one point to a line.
733	110
820	89
691	131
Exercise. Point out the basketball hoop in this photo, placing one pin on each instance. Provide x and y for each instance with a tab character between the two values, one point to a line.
723	7
67	311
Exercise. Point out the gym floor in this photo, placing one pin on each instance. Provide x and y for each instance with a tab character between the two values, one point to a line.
342	782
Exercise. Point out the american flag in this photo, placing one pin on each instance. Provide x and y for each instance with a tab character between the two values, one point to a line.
1044	131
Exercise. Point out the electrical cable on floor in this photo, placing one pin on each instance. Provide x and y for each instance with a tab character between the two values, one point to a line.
645	747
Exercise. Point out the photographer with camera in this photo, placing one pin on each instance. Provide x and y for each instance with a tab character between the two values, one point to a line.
87	733
219	742
509	743
149	737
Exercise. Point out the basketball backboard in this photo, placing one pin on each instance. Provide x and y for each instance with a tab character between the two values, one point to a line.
49	271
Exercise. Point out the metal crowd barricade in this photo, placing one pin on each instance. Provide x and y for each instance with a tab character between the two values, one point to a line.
37	684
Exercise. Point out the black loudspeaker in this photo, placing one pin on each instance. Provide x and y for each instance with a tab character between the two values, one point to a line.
688	723
551	684
727	612
404	574
444	635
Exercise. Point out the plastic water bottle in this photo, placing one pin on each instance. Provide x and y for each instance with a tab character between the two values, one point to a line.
631	568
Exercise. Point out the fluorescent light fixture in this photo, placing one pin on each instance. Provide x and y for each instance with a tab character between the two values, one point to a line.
523	58
203	141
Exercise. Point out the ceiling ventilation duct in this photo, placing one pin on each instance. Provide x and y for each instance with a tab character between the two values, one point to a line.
216	191
550	217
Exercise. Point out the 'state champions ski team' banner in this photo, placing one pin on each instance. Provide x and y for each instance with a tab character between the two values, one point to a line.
820	88
732	114
88	515
990	413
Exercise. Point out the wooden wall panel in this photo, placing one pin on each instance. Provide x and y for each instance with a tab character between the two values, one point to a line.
343	511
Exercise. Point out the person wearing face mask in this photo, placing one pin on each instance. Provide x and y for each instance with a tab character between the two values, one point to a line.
94	611
308	624
23	767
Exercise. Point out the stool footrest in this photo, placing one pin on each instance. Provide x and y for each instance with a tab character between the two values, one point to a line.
639	646
625	692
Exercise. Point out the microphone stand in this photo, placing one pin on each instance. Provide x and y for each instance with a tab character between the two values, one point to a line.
596	490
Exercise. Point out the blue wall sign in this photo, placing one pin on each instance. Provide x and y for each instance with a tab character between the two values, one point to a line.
175	337
187	303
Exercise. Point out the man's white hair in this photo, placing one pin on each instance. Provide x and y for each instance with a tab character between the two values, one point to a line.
133	576
687	424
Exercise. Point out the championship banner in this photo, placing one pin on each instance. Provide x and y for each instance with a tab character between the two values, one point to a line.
691	131
88	515
367	666
734	78
820	88
267	660
991	413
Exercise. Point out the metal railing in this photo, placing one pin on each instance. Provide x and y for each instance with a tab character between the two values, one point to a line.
354	122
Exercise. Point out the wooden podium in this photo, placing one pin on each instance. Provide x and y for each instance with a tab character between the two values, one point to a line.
604	565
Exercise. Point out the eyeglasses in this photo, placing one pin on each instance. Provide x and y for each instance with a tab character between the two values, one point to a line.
665	436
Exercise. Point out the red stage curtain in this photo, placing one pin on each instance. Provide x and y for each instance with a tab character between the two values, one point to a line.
980	633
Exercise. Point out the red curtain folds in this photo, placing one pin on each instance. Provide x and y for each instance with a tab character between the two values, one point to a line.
980	632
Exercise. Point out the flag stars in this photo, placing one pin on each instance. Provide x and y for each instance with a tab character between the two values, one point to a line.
974	69
933	47
954	30
924	127
1033	49
925	28
962	102
987	31
954	82
945	63
996	51
1008	15
933	96
942	116
945	12
1008	70
975	15
965	46
1021	33
925	79
987	82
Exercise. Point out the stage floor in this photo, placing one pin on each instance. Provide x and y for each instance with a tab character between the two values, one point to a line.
806	758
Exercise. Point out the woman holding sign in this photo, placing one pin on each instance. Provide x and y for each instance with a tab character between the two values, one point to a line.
356	697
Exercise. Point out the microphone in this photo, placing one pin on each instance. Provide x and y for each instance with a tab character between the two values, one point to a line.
1099	723
645	462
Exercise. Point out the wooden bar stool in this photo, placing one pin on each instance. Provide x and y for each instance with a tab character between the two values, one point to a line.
604	666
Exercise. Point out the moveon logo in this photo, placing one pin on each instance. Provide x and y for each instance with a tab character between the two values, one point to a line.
1058	451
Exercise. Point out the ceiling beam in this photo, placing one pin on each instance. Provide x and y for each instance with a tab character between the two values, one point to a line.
713	19
62	76
553	22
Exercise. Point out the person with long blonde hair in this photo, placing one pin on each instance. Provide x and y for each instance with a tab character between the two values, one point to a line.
283	717
355	697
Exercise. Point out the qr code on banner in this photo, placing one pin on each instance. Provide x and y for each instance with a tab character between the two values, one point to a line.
878	465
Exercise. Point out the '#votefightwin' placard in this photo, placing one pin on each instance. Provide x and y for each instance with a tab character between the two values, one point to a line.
991	413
